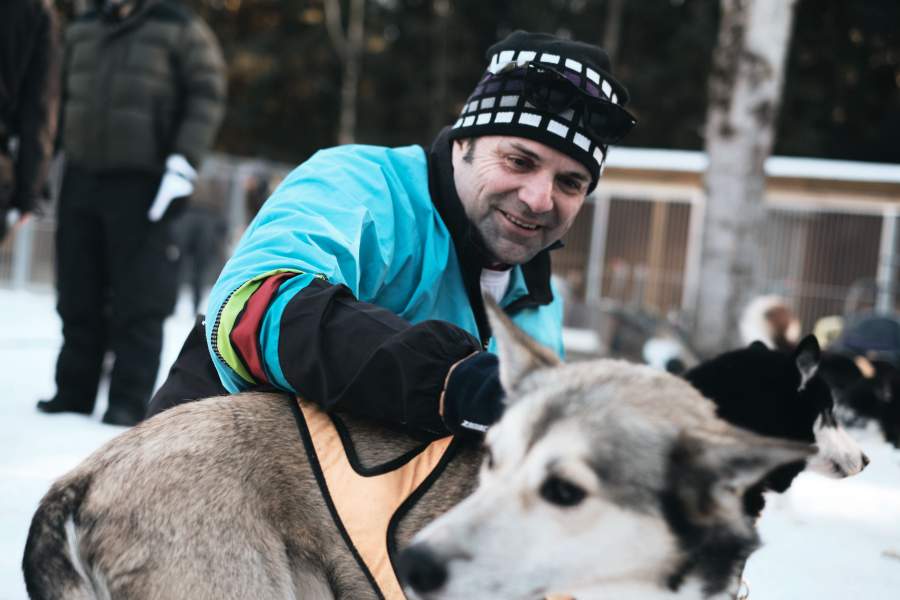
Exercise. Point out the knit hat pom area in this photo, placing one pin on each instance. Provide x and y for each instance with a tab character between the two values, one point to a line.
550	90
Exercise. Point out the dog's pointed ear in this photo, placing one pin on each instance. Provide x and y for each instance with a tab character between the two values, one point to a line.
518	353
732	460
808	355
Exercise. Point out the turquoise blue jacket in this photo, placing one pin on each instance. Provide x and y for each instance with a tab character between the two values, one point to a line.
356	216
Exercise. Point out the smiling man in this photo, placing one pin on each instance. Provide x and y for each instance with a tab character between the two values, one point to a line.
520	195
359	284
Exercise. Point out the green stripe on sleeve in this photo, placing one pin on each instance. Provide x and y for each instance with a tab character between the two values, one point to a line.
228	315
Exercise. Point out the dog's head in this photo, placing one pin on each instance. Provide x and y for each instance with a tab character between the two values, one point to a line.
602	479
782	395
865	390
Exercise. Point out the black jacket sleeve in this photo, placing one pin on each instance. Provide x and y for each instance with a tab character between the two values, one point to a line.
202	81
38	108
362	359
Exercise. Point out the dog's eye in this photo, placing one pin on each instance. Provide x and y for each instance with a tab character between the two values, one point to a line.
561	492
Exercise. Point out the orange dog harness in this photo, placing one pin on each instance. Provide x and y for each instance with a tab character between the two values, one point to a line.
367	503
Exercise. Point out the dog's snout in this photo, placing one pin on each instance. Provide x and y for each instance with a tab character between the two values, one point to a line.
865	461
421	569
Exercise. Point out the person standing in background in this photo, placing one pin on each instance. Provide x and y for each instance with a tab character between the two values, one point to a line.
29	103
143	97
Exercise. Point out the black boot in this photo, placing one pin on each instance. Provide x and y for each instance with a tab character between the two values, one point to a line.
124	416
60	405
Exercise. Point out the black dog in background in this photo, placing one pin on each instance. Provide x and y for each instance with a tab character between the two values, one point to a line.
862	365
781	395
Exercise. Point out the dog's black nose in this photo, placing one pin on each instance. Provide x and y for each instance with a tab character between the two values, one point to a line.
865	460
421	570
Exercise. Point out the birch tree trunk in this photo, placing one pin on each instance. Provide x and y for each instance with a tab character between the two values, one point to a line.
349	47
744	93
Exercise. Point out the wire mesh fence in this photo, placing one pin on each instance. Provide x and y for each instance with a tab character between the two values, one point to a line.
822	261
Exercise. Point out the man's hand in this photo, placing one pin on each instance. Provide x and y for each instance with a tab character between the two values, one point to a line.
17	218
177	182
472	399
12	220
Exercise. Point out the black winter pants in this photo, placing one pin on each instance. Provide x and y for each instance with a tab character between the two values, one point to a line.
116	277
7	185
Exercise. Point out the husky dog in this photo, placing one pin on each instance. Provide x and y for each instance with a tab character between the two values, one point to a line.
602	480
782	395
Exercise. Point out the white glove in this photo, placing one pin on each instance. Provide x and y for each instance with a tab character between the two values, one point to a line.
176	183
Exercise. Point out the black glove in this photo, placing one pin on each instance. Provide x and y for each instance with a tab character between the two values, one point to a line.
473	398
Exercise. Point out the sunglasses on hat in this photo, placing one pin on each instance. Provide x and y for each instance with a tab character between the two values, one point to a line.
549	90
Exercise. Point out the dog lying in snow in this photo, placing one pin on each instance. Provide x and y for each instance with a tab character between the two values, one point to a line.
782	395
769	322
602	480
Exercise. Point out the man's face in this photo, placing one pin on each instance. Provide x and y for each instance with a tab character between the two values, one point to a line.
520	194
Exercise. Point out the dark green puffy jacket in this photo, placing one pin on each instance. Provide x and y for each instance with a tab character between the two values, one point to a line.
141	89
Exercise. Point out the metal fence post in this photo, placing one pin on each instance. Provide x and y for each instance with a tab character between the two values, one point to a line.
691	281
887	261
597	250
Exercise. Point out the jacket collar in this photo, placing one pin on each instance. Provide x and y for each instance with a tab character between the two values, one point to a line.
469	246
139	15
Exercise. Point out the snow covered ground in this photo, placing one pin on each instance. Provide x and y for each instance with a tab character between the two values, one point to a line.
824	540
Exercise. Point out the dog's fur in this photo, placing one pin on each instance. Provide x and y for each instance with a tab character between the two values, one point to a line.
782	395
603	479
213	499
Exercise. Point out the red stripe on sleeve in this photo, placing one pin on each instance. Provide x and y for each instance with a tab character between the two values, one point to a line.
245	334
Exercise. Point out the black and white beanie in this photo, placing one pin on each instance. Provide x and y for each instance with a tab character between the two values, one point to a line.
497	107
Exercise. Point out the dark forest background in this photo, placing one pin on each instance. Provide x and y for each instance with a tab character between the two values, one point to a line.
422	57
